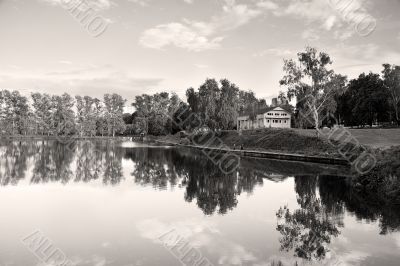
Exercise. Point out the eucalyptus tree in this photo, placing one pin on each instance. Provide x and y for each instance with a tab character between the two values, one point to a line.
391	80
310	78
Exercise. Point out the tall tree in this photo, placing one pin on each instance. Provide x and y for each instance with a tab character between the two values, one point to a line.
309	76
63	114
368	99
209	93
391	80
14	112
228	105
193	100
248	103
114	107
42	105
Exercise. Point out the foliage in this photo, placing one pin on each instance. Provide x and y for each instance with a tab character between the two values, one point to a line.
61	115
365	101
154	113
312	83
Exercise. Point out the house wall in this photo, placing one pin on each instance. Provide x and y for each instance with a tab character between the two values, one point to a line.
272	119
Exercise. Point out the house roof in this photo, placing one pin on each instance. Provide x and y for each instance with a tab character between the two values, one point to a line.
266	110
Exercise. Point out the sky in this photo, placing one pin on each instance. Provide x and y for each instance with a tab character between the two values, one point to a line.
150	46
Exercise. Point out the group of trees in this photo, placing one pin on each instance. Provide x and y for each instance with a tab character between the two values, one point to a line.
55	115
371	99
153	113
214	104
219	104
325	98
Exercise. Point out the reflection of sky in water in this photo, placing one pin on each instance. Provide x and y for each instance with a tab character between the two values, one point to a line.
98	224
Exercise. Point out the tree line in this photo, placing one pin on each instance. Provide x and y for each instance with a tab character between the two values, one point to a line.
323	98
61	115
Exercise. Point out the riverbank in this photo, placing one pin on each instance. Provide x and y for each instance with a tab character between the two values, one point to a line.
279	141
264	154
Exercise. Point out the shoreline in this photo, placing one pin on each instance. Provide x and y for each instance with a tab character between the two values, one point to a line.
266	154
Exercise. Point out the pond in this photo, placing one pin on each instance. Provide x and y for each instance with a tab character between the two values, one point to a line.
119	203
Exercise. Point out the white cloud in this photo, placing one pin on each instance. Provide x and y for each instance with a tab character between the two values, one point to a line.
269	5
327	15
279	52
183	35
199	35
310	35
201	66
97	4
140	2
65	62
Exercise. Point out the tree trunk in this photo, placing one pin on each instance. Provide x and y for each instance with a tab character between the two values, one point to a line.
396	110
316	121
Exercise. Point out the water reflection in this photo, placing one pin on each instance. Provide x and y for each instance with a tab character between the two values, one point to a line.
307	230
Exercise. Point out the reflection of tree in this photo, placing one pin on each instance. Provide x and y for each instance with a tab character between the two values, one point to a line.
89	162
13	161
308	230
204	181
52	162
211	188
112	164
153	166
337	195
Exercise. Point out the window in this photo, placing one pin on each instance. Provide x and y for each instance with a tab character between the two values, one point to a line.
267	121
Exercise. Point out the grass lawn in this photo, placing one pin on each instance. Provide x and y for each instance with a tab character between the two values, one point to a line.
374	138
378	138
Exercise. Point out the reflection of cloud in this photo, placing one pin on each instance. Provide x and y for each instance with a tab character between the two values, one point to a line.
152	229
200	234
353	258
397	239
234	255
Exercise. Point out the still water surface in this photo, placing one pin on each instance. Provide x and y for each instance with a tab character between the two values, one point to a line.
107	203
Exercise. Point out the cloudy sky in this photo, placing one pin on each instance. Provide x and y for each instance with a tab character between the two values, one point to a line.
170	45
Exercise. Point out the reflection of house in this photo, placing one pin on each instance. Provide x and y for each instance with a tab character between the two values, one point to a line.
273	117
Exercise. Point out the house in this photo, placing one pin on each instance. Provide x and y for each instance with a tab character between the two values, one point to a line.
273	117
